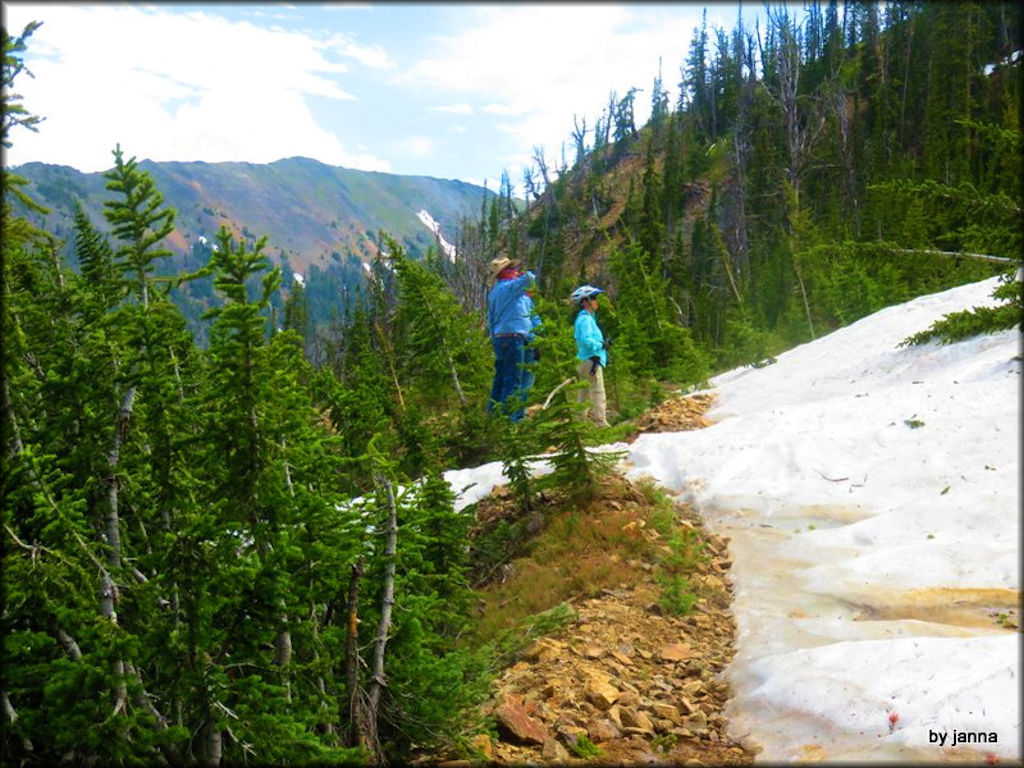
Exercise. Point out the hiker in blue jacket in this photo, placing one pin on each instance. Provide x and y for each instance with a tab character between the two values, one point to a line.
510	323
590	352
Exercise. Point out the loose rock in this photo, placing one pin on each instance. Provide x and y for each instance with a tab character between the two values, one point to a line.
517	725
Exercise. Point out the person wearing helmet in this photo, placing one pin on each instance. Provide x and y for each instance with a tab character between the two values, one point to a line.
590	352
510	323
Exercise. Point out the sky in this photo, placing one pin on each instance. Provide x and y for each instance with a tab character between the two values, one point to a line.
463	91
870	493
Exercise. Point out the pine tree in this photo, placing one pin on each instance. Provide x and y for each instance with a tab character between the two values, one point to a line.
576	470
251	590
646	323
439	342
296	312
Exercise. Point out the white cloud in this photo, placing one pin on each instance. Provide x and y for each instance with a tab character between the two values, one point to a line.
373	56
455	109
178	82
588	51
202	88
417	145
505	109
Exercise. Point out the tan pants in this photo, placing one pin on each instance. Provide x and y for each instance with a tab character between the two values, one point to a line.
595	394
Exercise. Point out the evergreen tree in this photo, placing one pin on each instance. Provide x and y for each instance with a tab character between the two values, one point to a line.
646	325
296	312
439	342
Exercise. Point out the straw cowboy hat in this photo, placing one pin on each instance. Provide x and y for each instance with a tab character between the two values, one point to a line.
500	263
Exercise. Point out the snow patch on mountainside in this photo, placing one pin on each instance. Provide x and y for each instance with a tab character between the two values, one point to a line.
435	227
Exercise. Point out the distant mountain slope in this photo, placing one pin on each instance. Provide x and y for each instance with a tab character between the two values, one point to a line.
311	212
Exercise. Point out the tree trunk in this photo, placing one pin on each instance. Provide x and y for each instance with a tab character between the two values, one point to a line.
12	717
361	716
109	593
212	745
69	644
16	448
356	715
391	364
378	681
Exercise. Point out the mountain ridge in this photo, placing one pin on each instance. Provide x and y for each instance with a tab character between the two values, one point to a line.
310	212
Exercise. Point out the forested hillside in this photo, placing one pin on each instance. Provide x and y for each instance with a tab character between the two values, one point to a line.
813	171
244	550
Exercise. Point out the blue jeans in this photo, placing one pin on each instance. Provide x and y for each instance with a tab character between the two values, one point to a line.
508	376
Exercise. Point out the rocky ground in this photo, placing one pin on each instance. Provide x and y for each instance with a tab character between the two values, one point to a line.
625	682
641	686
676	414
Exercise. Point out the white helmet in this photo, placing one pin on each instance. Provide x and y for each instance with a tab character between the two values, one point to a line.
584	292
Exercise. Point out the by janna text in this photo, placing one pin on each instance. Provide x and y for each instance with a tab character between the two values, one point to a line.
944	738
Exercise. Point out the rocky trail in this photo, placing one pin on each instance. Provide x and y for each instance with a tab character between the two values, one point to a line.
639	685
625	681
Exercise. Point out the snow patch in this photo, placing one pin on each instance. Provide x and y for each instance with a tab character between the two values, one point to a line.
435	227
871	494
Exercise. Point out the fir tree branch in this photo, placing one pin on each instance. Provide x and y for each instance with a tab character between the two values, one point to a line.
554	391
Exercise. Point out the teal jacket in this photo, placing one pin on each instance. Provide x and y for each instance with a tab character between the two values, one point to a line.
589	339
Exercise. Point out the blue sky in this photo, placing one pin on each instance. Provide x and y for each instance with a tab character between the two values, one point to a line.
453	91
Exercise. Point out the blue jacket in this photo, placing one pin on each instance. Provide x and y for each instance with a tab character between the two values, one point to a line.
509	309
589	339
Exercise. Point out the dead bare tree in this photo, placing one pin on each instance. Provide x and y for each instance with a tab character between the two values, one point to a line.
801	127
542	165
579	138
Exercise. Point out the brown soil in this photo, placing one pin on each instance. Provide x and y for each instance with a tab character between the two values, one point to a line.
678	414
641	685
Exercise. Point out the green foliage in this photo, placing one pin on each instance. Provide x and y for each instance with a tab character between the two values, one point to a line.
517	442
432	681
964	324
205	493
584	748
14	113
686	551
575	469
296	312
677	596
215	475
664	742
845	135
495	546
358	396
745	342
442	352
852	280
137	220
644	322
